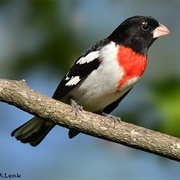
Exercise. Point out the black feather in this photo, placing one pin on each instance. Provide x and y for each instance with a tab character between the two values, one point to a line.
81	70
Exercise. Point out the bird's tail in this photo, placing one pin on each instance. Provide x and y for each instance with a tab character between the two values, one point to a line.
34	131
73	133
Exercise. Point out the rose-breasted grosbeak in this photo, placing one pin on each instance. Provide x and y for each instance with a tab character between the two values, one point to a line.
103	75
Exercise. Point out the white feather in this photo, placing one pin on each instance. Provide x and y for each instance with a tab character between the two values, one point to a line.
99	89
73	81
88	58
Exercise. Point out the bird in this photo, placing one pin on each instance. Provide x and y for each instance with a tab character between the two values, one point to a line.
102	75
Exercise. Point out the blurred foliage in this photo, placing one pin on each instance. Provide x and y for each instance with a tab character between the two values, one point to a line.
56	46
167	99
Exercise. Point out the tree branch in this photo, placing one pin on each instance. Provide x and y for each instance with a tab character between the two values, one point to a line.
20	95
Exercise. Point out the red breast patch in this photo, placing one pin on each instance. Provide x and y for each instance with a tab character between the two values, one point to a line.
132	63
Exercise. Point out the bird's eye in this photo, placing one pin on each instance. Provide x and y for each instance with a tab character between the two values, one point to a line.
145	26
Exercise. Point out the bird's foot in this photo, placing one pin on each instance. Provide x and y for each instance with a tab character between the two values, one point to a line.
114	118
75	107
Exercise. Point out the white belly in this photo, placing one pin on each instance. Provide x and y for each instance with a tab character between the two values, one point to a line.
99	89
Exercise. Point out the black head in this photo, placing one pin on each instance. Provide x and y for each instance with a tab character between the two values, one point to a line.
138	32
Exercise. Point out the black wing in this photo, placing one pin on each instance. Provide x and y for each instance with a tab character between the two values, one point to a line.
79	71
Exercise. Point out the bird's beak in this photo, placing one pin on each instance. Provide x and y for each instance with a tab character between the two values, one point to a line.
161	30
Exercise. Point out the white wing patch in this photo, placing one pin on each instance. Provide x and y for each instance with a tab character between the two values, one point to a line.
67	78
73	81
90	57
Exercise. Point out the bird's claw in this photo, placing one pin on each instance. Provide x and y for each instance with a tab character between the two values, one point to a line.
75	107
114	118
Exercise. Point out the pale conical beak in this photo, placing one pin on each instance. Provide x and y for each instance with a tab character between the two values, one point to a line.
161	30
